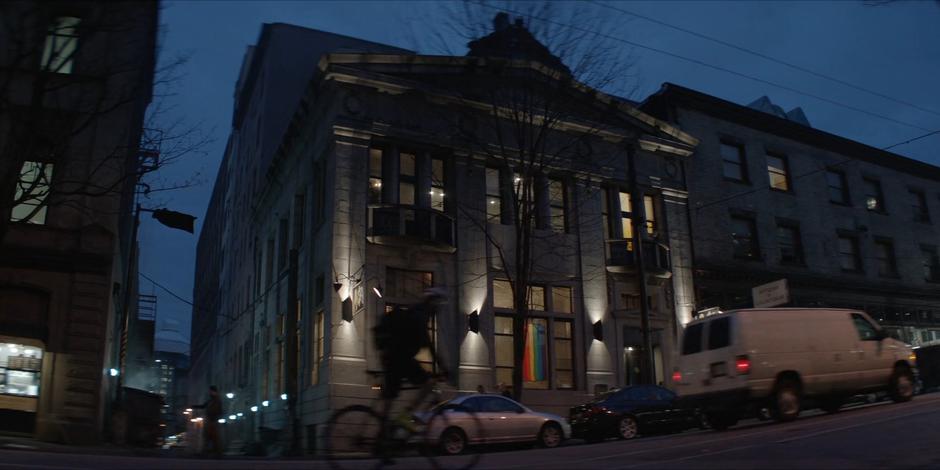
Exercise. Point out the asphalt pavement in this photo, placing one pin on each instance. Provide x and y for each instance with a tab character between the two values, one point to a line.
883	435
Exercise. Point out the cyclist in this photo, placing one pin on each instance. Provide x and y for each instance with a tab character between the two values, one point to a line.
399	337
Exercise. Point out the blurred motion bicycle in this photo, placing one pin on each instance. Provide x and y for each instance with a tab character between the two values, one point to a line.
442	433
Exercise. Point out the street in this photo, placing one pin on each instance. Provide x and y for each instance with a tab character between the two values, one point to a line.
883	435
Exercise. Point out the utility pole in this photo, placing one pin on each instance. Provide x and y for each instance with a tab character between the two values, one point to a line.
638	214
291	361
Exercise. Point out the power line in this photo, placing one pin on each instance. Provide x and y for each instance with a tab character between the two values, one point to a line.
705	64
912	140
767	57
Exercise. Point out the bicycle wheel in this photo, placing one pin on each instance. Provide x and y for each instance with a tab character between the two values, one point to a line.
453	436
353	434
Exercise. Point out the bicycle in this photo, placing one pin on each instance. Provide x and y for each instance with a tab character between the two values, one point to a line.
443	434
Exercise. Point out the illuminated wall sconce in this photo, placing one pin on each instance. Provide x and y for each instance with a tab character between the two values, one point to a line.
473	321
337	286
347	310
599	330
378	290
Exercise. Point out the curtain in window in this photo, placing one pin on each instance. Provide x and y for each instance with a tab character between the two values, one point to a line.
535	361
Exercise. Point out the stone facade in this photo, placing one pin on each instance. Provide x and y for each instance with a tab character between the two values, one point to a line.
370	197
67	272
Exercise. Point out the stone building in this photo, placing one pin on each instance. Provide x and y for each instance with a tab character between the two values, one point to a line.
75	80
847	225
370	196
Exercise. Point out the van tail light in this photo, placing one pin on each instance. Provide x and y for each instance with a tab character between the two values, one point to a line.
676	376
742	365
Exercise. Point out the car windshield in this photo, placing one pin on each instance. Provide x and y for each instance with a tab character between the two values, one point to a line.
604	396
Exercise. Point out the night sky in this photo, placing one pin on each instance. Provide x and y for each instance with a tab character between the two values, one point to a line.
892	48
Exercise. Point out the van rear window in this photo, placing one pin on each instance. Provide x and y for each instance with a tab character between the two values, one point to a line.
719	333
692	340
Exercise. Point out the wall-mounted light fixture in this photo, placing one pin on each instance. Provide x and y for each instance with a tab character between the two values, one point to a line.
378	290
473	321
599	330
337	286
347	310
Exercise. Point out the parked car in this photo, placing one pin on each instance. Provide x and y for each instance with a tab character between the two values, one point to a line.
735	363
498	420
629	412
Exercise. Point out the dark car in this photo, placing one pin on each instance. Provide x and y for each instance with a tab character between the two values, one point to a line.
631	411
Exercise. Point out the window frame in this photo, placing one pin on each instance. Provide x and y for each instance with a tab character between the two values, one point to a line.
869	183
856	255
33	193
784	171
799	259
561	206
890	259
843	189
754	238
930	262
920	212
741	163
51	60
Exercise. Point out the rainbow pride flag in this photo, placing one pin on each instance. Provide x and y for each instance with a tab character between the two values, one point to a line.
534	366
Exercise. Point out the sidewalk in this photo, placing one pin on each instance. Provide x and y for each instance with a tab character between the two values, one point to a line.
30	444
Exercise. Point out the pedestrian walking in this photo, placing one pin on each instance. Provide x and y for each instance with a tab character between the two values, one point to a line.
210	425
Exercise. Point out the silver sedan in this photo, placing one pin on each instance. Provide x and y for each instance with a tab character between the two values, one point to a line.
498	420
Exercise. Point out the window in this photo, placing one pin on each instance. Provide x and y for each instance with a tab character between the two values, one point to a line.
626	221
605	214
692	340
549	347
561	299
838	189
269	262
650	207
375	176
58	54
494	202
406	179
744	237
502	294
32	189
556	200
884	257
777	172
318	296
282	245
719	333
732	161
407	285
788	239
848	253
866	331
874	199
524	195
564	354
299	209
438	183
919	206
931	263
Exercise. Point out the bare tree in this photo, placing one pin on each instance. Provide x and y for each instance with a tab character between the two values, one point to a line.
531	107
58	84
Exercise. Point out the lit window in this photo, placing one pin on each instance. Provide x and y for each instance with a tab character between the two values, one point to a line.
777	172
650	208
32	189
561	299
502	294
874	200
626	221
438	183
493	196
58	54
375	176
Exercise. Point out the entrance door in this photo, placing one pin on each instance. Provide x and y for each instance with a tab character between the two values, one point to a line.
633	356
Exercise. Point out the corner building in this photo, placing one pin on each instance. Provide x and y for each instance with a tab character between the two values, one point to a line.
372	196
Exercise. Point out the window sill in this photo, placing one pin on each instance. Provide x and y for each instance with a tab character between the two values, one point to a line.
782	191
878	211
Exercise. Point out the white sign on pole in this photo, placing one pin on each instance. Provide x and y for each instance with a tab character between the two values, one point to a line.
771	294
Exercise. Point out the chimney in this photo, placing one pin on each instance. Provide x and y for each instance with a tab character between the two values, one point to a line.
500	21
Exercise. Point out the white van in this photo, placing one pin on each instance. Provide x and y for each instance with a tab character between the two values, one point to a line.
734	364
